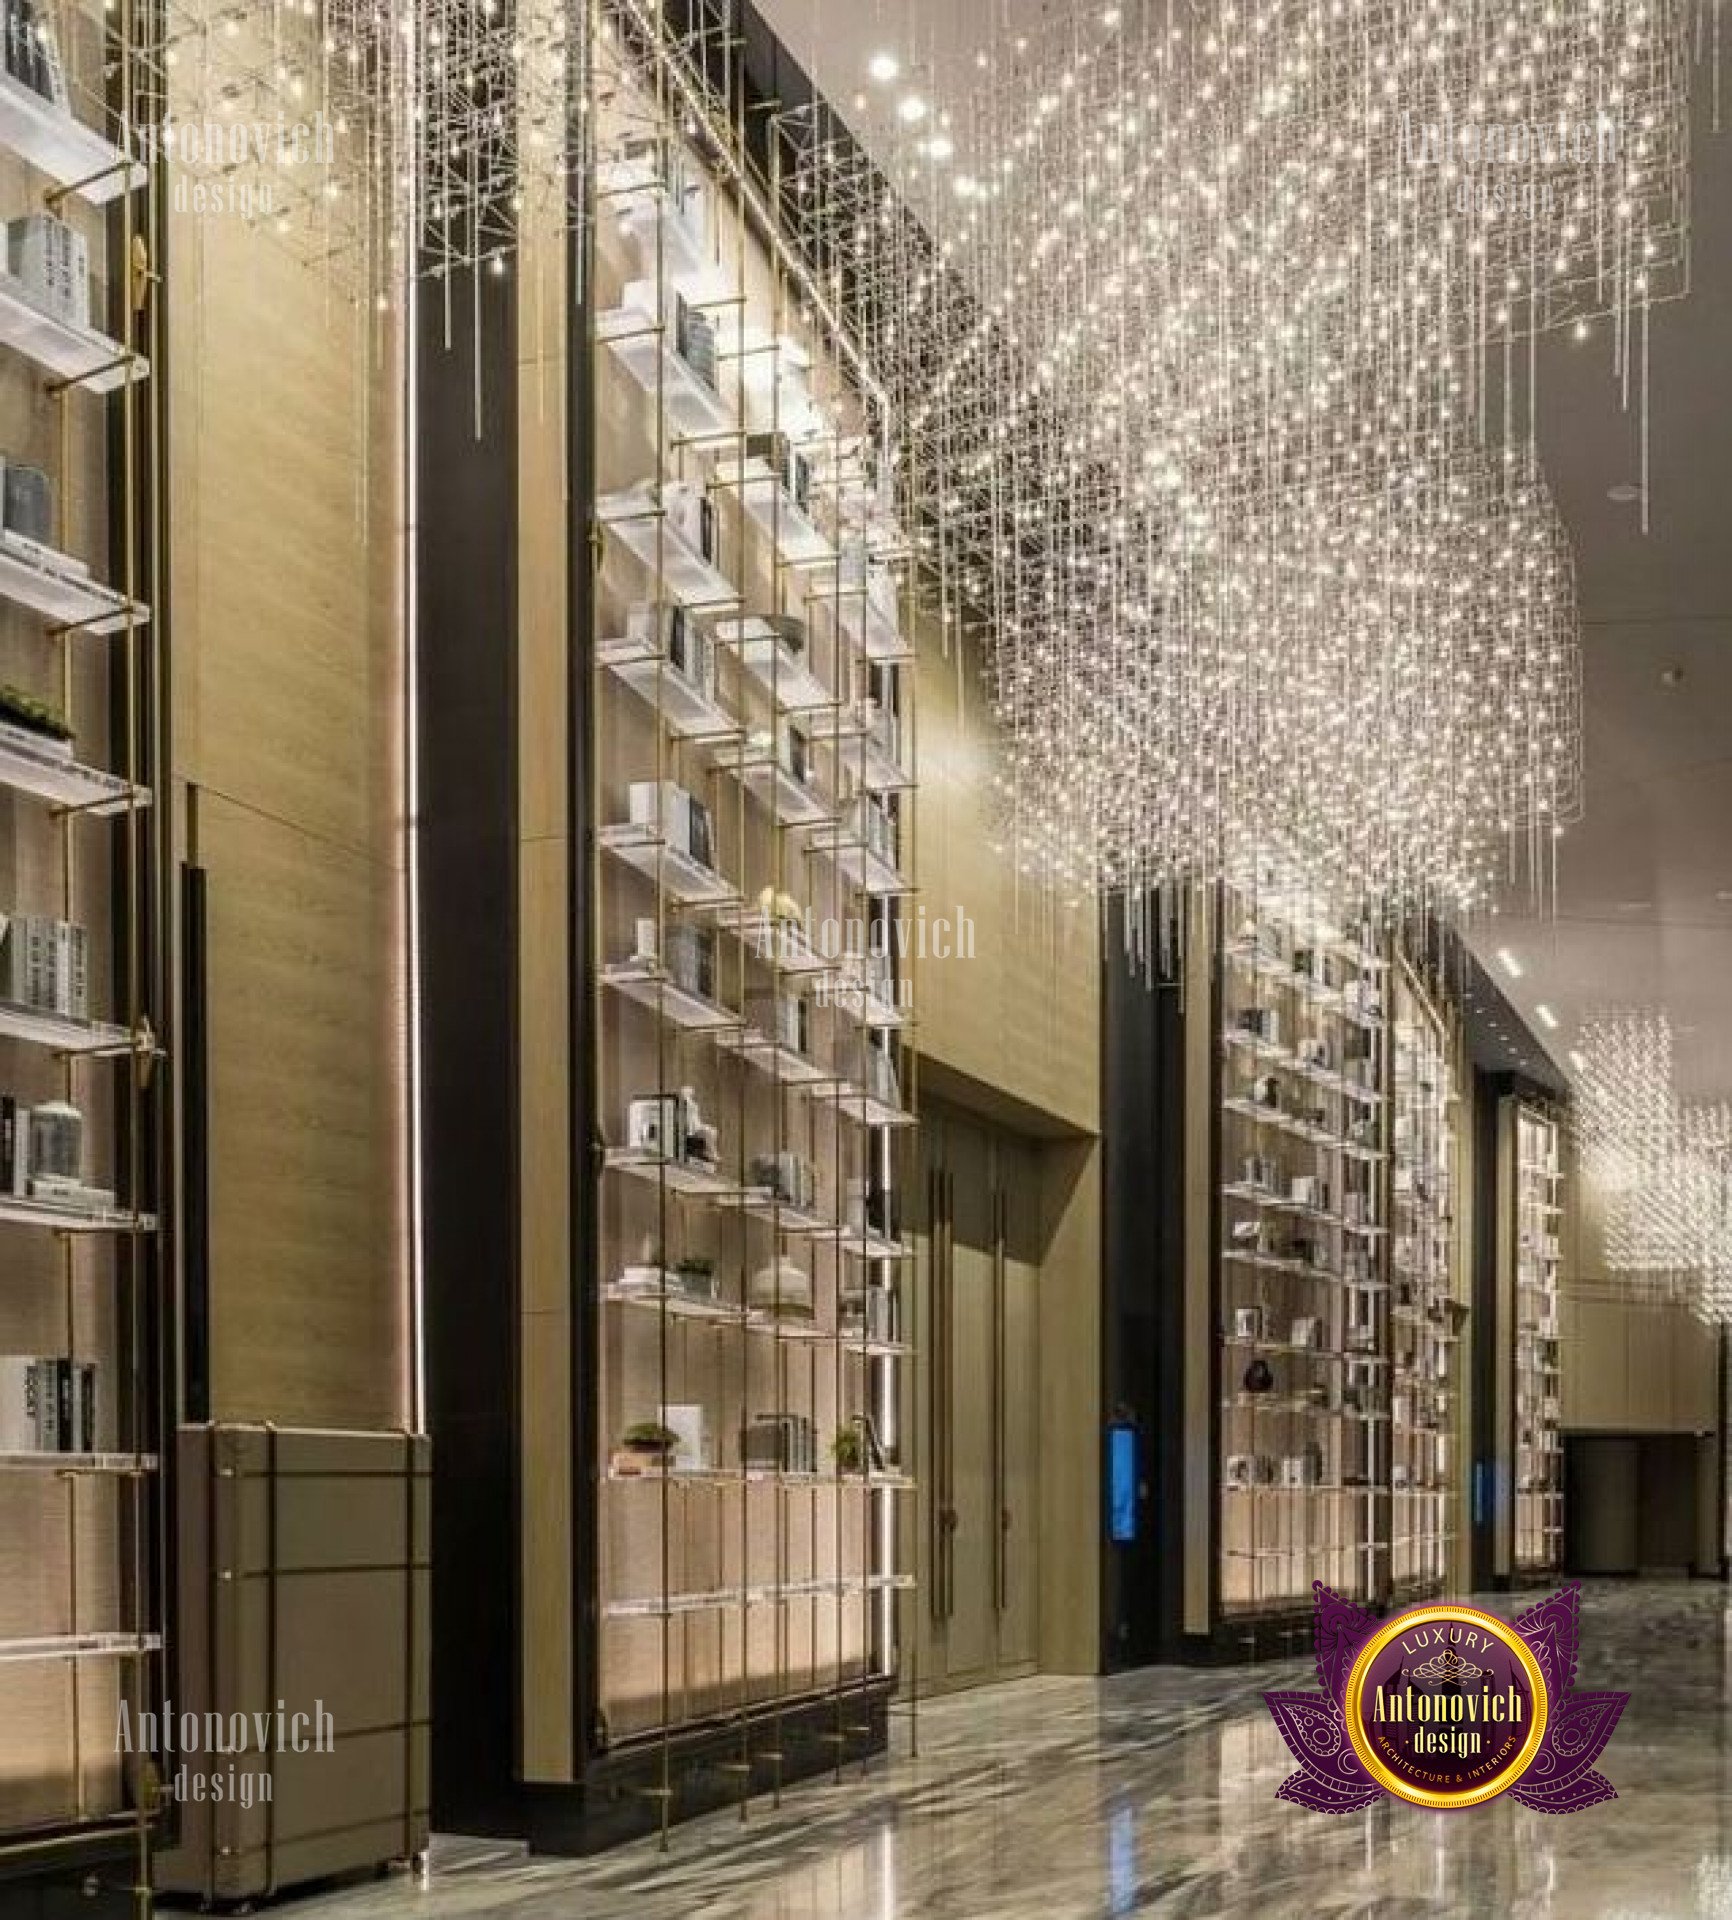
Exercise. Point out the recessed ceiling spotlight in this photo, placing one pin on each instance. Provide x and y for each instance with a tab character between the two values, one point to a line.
1578	1060
911	108
1625	493
1546	1017
1671	676
884	66
940	147
1510	964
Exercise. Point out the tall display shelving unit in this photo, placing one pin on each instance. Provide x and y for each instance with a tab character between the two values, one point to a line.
1428	1316
1302	1338
81	1601
753	784
1537	1252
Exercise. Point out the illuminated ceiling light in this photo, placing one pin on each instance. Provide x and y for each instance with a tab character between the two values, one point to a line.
911	109
1198	443
884	67
1510	964
1546	1017
1659	1168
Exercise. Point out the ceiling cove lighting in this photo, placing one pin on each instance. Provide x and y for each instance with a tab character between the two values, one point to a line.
1510	964
1546	1017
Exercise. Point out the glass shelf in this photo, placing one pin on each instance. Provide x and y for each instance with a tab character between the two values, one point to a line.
64	148
688	711
50	583
121	1465
777	514
65	782
63	1035
636	517
694	1178
643	345
790	683
78	355
80	1646
646	983
59	1219
686	880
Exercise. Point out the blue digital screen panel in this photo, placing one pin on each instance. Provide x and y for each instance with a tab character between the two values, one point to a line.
1122	1477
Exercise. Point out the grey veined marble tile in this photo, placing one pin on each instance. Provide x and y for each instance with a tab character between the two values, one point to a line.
1153	1793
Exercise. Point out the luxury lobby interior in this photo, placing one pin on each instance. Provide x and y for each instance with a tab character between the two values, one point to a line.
865	959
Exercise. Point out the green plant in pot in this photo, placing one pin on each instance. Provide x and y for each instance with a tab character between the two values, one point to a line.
651	1439
21	709
848	1449
695	1275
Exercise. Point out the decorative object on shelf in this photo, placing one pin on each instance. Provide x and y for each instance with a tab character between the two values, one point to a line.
687	952
785	1016
37	723
791	468
670	632
33	53
681	820
44	963
691	515
693	1277
1247	1323
782	1289
787	1178
672	1127
855	1447
689	1423
49	261
867	1313
781	1442
28	502
650	1444
1259	1377
47	1404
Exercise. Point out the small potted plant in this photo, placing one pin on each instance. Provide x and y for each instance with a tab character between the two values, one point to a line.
650	1442
848	1450
695	1276
33	716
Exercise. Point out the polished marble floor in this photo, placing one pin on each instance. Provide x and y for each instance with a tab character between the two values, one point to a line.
1153	1793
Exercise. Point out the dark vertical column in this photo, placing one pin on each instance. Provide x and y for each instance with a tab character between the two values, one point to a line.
465	640
1142	1319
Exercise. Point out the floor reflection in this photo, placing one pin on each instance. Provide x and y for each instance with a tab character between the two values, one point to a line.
1153	1793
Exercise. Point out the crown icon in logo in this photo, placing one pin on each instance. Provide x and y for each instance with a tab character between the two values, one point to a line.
1448	1665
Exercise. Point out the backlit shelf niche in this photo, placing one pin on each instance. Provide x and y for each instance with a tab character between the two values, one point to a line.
1539	1447
1428	1319
754	785
1302	1344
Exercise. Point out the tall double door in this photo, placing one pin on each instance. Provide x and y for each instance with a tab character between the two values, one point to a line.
978	1386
